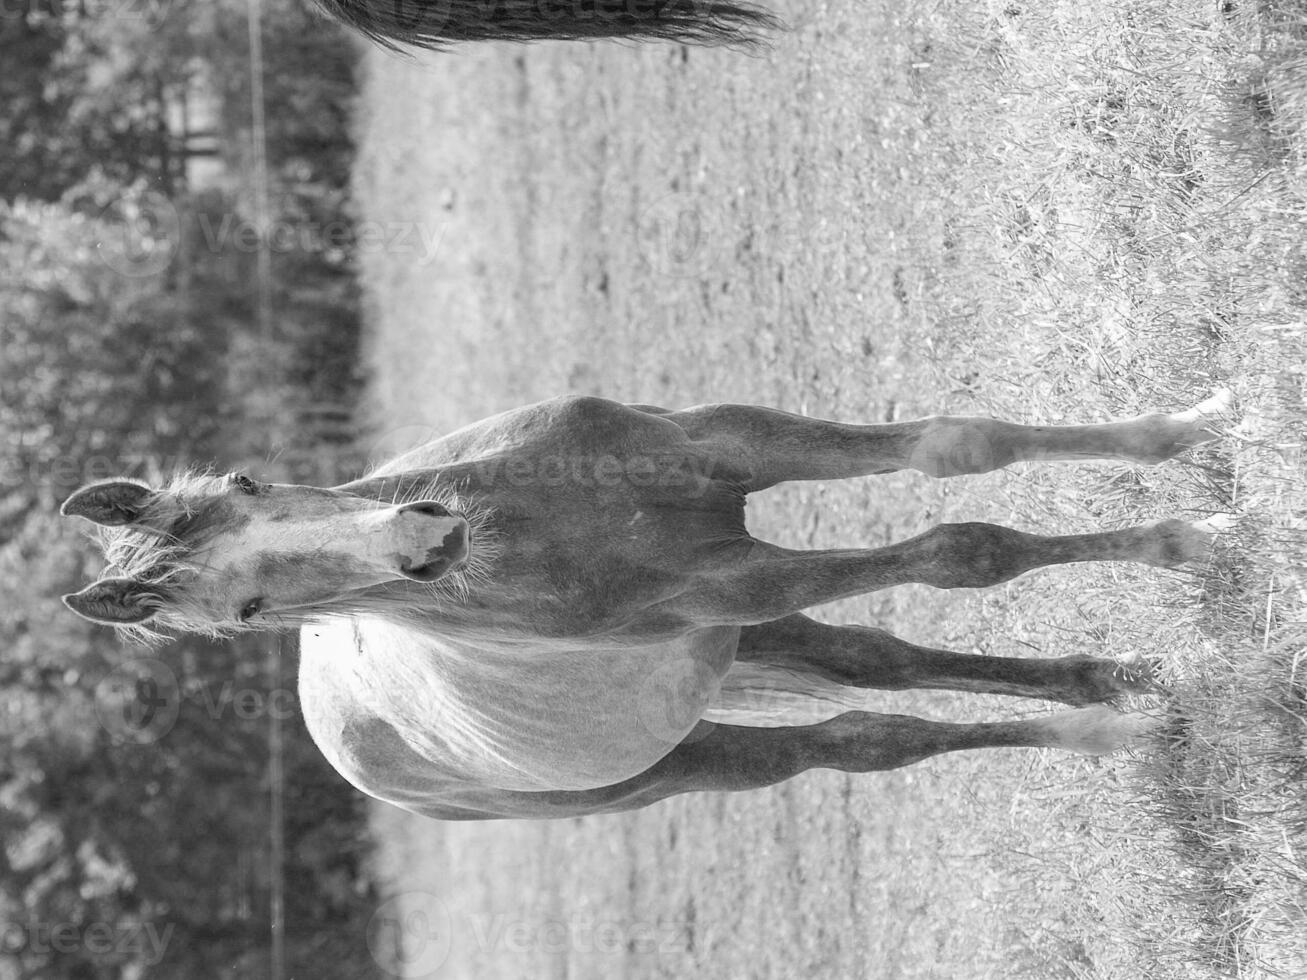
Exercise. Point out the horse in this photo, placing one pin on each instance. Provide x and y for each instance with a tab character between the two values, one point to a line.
436	24
559	611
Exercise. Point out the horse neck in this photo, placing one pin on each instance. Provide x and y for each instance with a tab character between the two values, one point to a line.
398	486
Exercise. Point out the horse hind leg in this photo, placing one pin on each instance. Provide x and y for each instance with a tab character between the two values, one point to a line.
867	657
865	741
735	758
771	447
862	742
960	446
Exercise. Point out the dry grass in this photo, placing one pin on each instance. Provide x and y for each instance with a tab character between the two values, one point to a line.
1063	211
1158	246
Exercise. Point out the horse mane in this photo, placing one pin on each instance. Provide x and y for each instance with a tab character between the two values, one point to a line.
436	24
160	550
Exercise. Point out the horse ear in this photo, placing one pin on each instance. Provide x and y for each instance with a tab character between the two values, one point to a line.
111	503
115	602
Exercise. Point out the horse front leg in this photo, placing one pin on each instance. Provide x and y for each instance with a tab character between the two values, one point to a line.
771	446
733	758
867	657
772	582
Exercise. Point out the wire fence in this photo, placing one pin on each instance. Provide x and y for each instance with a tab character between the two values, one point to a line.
263	308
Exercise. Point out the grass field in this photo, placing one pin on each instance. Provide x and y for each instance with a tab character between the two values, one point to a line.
1044	212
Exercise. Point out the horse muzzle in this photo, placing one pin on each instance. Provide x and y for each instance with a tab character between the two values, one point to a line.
433	542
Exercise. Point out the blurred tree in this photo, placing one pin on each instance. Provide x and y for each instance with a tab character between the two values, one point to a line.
126	323
159	844
29	48
102	369
90	93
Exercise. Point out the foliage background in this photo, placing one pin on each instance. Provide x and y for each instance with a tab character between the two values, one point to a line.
130	344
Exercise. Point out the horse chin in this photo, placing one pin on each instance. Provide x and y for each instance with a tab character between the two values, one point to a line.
431	571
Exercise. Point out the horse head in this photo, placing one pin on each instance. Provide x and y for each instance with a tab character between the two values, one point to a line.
217	554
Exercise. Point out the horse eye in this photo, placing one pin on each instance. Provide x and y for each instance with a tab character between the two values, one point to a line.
252	609
245	484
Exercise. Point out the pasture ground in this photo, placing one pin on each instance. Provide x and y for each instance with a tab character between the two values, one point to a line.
1060	211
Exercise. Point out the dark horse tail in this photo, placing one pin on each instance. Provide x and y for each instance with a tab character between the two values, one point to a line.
437	23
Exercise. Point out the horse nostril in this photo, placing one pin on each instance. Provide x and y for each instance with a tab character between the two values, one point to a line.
428	572
428	507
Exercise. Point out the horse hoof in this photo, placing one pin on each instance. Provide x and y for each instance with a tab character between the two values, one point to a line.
1097	730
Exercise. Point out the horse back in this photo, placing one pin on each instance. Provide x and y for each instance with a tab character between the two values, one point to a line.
569	426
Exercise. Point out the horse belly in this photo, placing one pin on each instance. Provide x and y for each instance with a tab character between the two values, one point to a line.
531	719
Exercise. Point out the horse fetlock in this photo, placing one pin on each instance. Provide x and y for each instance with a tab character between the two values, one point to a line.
1096	730
1096	679
1179	431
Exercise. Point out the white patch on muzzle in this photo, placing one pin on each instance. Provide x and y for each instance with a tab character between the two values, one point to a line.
426	541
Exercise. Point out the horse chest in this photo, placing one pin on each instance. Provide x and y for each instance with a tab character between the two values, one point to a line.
583	564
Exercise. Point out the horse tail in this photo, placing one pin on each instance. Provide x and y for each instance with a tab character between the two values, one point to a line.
439	23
